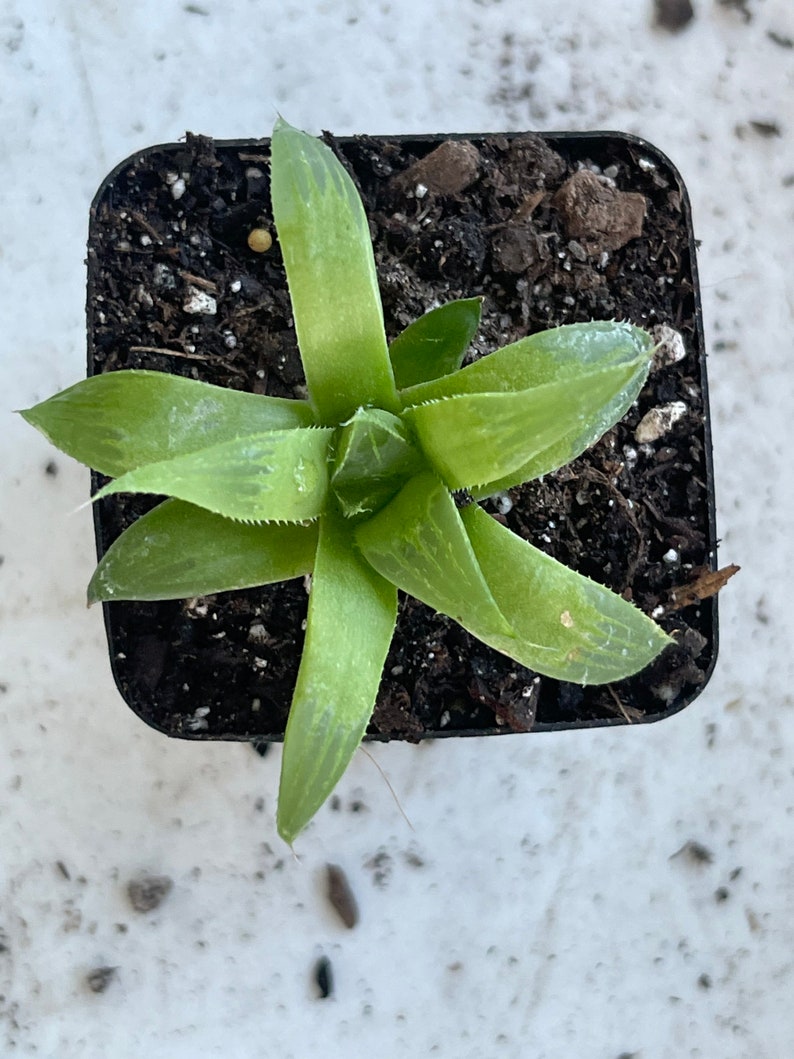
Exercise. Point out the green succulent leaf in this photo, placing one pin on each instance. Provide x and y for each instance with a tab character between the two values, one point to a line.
418	542
327	249
566	626
436	343
561	353
569	356
484	439
281	475
352	615
178	550
374	458
123	419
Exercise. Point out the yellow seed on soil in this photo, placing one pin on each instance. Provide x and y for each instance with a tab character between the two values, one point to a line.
260	240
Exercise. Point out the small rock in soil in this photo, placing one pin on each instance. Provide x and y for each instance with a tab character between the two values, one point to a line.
670	346
447	170
517	249
659	421
341	896
100	978
674	14
324	978
147	892
538	163
597	215
199	302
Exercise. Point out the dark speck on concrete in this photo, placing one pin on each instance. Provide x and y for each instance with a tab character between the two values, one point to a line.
779	39
341	896
674	14
324	978
738	5
766	128
147	892
694	852
100	978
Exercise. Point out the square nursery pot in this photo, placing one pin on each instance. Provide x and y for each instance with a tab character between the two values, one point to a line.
551	229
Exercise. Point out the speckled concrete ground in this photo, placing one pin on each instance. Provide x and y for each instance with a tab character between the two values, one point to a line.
537	908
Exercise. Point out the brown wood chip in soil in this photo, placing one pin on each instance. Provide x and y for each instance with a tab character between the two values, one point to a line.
612	514
706	584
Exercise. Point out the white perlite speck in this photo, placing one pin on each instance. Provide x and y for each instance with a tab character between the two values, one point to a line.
656	423
670	346
198	301
198	722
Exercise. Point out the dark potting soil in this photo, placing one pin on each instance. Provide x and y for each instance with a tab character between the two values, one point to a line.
550	230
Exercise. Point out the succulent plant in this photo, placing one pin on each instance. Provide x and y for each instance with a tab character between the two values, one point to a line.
360	485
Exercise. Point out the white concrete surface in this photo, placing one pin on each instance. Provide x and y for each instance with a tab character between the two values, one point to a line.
547	919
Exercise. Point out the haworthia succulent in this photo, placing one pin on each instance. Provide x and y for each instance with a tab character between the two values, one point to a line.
354	483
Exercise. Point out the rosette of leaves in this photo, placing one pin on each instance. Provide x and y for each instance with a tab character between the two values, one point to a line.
355	485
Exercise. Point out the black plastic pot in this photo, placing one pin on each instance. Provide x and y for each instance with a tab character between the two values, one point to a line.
172	221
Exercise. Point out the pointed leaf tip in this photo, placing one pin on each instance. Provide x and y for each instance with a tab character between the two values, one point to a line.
351	620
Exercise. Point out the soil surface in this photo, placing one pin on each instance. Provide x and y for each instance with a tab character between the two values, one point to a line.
550	231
